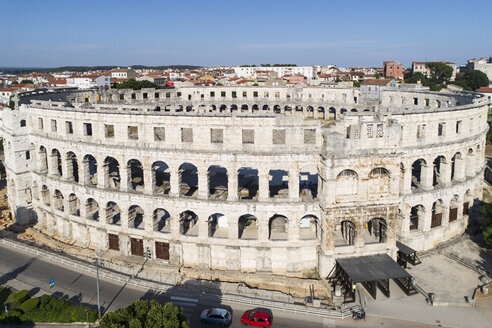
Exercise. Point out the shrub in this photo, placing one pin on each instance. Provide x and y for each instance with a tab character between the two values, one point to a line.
30	305
21	296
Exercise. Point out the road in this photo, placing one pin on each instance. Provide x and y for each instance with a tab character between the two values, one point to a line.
24	271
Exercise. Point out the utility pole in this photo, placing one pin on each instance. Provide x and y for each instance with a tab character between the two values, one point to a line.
97	281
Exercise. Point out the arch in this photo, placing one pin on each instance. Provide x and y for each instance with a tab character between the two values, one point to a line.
308	227
347	183
58	200
56	162
453	208
333	113
92	209
222	108
320	113
417	172
218	182
417	213
161	220
377	228
43	160
45	194
188	223
379	172
255	107
437	212
72	167
266	107
438	176
379	180
247	182
244	108
218	226
234	108
161	178
90	170
73	205
35	190
188	180
135	175
112	169
277	109
278	227
298	108
113	213
354	110
136	217
455	163
247	227
348	232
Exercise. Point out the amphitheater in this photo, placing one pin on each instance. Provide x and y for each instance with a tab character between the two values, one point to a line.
246	179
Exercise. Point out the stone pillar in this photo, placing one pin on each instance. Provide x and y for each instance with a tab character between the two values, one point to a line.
293	232
445	216
425	218
65	171
53	167
405	229
124	177
294	184
148	220
174	221
445	174
263	229
479	161
124	218
470	165
406	181
203	183
202	226
124	242
174	181
149	181
232	185
233	229
427	176
103	176
263	183
459	169
84	176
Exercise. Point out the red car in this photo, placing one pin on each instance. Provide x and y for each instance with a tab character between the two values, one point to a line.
258	317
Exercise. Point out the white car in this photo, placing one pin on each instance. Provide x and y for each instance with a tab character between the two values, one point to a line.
217	316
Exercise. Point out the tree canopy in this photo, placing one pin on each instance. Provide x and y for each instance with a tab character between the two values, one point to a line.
472	80
440	71
27	81
136	85
487	223
141	314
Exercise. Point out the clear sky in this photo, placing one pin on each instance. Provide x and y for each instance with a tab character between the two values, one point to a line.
51	33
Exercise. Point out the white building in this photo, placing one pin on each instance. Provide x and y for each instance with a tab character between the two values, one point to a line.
308	71
421	67
5	94
89	81
123	73
482	65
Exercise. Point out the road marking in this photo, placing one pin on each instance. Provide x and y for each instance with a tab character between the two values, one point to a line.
187	304
185	299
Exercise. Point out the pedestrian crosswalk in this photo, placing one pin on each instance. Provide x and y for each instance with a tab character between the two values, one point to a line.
188	304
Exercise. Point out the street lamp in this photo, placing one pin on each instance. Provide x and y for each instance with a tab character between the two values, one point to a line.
97	281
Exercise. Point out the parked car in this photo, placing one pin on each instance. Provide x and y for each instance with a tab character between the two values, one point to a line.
258	317
217	316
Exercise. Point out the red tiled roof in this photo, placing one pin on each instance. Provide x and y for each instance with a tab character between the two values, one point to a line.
485	90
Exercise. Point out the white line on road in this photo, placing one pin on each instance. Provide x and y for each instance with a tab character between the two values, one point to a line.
184	299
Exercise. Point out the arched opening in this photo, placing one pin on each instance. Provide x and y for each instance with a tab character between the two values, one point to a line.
416	214
456	162
347	229
467	202
333	113
308	184
417	173
218	182
135	174
453	208
45	194
189	108
136	217
266	107
255	108
278	185
35	190
56	163
244	108
188	180
90	170
43	160
162	220
113	170
376	231
247	227
321	112
347	183
277	109
343	111
234	108
379	180
354	110
223	108
287	109
438	176
161	178
92	209
218	226
310	111
113	213
437	210
470	163
188	223
58	200
278	227
247	182
72	167
308	227
73	205
299	109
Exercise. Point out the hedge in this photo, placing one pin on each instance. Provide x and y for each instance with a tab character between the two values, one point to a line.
22	296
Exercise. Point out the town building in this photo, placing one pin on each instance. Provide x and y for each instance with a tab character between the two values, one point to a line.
123	73
421	67
393	69
482	65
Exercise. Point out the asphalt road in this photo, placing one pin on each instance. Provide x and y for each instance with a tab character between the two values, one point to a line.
24	271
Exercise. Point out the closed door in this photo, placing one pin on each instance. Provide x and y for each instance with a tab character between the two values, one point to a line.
162	250
114	242
137	247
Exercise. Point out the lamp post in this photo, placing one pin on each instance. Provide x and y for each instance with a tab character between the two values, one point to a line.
97	282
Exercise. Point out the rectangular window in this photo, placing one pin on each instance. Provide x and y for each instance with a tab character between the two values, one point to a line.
309	136
245	94
132	132
277	94
216	135
265	94
278	137
248	136
87	129
134	96
53	126
379	131
415	101
178	94
122	97
440	129
458	127
212	94
421	131
109	130
145	95
471	124
168	94
234	94
40	123
255	94
156	95
28	155
69	127
186	135
159	133
369	131
222	94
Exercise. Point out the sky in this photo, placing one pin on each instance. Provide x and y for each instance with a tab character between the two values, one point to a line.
52	33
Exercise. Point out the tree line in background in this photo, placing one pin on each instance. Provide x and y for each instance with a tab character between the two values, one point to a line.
269	65
20	70
440	75
137	85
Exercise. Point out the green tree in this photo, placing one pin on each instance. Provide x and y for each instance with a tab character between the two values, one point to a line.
27	81
15	82
487	223
11	103
136	85
417	77
472	80
440	71
141	314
